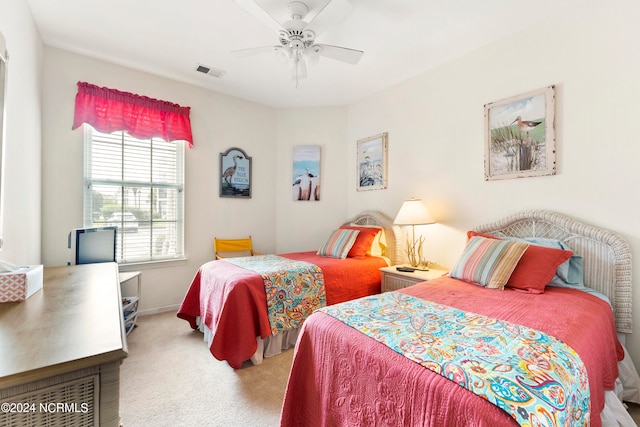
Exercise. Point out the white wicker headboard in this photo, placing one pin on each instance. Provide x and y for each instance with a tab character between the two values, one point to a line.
392	232
607	256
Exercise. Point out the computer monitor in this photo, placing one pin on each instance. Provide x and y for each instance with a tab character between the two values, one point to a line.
91	245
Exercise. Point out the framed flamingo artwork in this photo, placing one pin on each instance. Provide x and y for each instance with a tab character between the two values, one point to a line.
306	172
235	173
372	162
520	136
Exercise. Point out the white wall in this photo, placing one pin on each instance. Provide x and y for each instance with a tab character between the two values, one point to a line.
436	148
22	160
218	123
436	132
303	225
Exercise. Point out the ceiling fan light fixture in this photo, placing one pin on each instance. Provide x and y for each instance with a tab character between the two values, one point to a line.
312	54
283	55
297	37
298	70
296	44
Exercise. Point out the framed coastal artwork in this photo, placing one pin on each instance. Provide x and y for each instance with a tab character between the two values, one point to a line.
235	174
520	136
372	162
306	172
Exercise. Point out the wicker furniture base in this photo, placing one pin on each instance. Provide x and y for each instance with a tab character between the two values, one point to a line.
84	398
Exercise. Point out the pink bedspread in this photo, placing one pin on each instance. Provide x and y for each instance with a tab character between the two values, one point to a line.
231	300
341	377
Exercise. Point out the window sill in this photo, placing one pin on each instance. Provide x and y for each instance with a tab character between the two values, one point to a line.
147	265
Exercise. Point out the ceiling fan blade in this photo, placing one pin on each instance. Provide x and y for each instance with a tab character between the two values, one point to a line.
332	13
262	15
344	54
244	53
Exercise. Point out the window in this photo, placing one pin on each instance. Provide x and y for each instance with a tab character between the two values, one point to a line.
136	185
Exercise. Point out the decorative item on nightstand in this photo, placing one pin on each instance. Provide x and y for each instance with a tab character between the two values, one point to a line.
413	212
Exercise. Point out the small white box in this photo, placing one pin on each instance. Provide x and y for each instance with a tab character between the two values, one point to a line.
20	284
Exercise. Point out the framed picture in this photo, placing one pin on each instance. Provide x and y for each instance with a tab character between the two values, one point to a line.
235	173
372	162
520	136
306	172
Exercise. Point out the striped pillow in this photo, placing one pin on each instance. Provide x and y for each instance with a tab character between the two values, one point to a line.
338	244
488	262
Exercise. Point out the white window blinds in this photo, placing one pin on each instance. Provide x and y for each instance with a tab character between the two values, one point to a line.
137	186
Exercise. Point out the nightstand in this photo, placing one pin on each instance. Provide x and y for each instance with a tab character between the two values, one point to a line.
392	279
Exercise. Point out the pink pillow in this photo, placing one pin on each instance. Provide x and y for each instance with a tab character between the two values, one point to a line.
535	269
363	241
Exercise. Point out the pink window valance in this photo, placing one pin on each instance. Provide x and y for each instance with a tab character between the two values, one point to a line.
110	110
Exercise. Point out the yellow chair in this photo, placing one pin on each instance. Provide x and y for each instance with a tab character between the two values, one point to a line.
229	248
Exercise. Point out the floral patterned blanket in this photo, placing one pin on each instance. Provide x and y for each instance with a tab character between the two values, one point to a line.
534	377
294	288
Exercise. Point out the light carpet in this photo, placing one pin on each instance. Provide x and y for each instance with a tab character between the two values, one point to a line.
171	379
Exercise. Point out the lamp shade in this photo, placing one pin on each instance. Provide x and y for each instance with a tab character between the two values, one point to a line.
413	212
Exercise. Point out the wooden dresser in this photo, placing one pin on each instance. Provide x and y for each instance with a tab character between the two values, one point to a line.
61	349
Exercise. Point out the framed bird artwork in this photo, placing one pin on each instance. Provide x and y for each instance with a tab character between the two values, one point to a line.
235	173
372	162
306	172
520	136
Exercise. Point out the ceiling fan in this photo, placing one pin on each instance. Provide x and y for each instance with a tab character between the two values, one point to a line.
297	36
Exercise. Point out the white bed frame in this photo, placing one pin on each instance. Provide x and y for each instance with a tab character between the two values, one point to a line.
393	234
607	256
607	269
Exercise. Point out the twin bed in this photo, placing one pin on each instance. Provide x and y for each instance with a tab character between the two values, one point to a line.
227	302
448	351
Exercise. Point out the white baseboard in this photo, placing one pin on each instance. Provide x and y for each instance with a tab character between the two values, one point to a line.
159	310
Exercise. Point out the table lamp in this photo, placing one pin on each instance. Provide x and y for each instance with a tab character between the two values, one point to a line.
413	212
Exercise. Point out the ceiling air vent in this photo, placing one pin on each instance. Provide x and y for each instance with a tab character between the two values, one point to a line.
210	71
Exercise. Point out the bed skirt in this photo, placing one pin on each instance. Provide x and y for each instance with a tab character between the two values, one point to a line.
268	347
627	389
